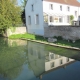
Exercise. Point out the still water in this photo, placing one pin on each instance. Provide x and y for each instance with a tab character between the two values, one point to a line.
25	60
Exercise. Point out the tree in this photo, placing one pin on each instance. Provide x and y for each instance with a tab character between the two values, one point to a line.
10	13
23	11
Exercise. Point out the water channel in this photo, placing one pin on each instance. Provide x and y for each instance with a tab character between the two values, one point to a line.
26	60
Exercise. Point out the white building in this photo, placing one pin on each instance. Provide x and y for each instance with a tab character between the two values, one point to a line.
39	13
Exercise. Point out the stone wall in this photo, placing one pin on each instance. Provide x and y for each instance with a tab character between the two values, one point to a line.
67	32
16	30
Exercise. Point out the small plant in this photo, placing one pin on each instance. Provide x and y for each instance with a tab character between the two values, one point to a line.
71	18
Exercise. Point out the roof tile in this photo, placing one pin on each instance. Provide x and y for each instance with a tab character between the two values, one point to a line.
68	2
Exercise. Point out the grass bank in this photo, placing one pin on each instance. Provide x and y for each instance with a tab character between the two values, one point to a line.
60	41
28	36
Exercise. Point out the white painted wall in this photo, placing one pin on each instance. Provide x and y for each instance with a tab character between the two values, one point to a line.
57	12
38	9
44	6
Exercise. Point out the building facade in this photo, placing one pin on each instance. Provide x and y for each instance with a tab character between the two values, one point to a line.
42	13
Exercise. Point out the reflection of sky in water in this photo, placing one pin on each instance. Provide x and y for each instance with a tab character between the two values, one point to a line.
71	72
26	74
33	61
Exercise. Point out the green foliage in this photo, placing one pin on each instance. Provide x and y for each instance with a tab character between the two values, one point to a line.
71	18
62	42
3	23
10	14
24	2
13	29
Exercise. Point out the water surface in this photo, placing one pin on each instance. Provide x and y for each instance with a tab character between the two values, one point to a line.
25	60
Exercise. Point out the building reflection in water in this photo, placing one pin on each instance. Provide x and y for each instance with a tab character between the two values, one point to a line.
56	61
42	61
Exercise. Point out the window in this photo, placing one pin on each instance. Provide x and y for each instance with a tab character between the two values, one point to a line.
76	13
67	59
37	19
46	18
60	19
61	62
51	18
29	20
52	56
60	8
51	6
32	7
52	64
68	19
68	8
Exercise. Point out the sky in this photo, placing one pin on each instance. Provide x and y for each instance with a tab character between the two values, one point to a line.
19	1
79	0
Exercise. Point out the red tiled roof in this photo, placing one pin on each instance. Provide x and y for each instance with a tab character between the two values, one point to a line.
68	2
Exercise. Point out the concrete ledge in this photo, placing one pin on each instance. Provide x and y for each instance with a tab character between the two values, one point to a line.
52	44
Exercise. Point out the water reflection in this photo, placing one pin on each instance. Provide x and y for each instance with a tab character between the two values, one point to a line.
16	42
11	60
33	61
43	61
56	61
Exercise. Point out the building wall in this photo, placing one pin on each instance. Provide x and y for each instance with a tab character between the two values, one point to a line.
37	9
57	12
16	30
40	7
67	32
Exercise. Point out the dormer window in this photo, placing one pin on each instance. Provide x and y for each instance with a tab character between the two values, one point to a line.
32	7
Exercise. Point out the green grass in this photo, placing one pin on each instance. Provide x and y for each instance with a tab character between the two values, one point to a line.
18	36
60	41
27	36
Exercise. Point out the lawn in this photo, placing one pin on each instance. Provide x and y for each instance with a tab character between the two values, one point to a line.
28	36
60	41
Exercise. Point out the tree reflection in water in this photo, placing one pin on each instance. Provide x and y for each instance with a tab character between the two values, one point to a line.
11	59
40	58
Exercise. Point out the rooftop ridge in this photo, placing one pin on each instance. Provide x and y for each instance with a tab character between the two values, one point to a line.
67	2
